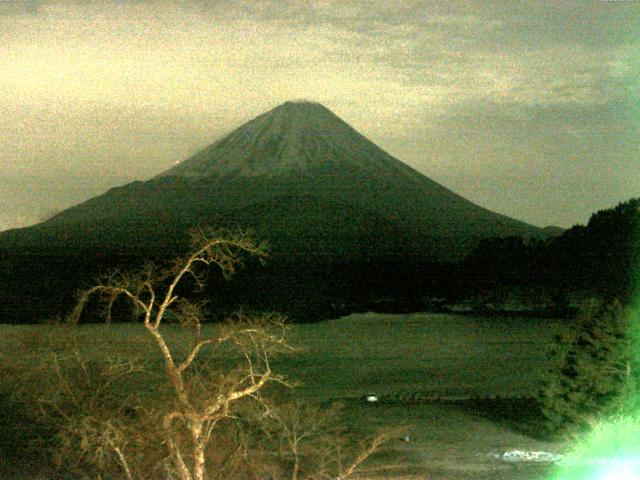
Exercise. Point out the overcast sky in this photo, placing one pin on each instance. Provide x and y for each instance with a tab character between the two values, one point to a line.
528	108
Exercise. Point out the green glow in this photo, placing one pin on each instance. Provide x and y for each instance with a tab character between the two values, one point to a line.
611	451
618	470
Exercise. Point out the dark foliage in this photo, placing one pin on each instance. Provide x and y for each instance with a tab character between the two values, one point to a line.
601	259
595	372
309	283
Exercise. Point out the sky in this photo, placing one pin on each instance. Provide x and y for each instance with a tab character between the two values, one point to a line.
528	108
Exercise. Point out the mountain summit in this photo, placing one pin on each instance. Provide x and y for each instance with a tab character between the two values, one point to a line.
292	138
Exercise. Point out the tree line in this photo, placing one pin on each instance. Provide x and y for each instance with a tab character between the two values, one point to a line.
600	260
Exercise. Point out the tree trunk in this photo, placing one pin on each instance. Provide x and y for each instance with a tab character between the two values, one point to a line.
198	450
296	463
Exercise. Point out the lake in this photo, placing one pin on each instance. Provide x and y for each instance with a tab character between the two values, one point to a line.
447	355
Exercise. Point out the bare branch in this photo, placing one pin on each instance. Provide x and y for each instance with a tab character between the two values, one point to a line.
193	354
374	446
113	291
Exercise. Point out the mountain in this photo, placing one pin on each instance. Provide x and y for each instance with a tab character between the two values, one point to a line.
326	198
298	157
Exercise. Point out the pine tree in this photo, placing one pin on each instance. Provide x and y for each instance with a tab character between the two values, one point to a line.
594	373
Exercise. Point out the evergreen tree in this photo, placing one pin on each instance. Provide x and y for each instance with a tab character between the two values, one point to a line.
596	369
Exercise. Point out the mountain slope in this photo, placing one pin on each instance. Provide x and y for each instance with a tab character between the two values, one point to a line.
319	154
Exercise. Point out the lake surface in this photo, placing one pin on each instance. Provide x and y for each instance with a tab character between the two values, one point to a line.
444	355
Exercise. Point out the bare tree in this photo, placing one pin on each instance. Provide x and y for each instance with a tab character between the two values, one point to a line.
257	339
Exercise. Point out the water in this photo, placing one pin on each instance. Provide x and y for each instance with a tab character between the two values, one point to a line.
442	355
